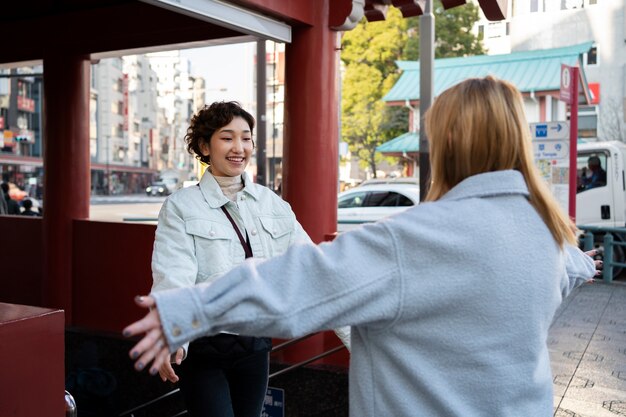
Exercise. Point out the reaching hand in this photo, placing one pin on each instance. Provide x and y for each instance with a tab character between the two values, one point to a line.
153	347
166	371
592	253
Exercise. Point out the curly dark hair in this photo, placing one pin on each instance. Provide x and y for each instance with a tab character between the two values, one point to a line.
208	120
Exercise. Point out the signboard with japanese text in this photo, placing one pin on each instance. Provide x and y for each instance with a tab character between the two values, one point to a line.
567	83
552	156
25	104
7	137
274	403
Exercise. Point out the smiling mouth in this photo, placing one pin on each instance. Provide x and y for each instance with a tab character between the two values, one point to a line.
233	159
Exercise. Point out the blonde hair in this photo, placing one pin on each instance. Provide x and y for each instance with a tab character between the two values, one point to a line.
479	126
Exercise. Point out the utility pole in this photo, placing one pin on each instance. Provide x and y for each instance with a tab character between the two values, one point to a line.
427	63
261	108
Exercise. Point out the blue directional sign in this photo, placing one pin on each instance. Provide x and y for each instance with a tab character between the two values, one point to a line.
541	131
274	403
550	130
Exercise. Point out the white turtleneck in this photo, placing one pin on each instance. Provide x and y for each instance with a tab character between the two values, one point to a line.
230	186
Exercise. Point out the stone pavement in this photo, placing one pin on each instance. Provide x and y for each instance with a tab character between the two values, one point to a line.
587	344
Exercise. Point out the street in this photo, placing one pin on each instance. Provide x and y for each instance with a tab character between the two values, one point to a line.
137	208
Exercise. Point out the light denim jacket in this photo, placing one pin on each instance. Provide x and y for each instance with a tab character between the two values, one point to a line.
196	243
450	303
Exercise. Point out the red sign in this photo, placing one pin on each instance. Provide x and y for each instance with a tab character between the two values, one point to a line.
1	122
595	92
125	103
567	84
26	104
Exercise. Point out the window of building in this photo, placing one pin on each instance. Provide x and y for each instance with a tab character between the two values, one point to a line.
587	121
481	31
534	6
591	57
571	4
118	85
538	5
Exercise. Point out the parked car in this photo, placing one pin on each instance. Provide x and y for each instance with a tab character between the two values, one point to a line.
374	201
157	188
400	180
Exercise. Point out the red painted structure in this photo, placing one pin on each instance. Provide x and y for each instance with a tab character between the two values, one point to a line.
32	378
92	270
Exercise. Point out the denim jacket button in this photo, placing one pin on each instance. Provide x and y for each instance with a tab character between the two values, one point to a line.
253	232
212	233
176	331
195	324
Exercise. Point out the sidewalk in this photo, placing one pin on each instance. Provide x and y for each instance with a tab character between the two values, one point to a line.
587	343
124	199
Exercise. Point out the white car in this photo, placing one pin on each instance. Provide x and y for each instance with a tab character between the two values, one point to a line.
374	201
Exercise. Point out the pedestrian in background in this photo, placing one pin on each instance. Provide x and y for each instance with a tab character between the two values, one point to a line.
3	203
204	231
28	208
450	302
13	208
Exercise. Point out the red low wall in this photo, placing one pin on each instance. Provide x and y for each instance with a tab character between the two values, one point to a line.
21	256
111	266
32	360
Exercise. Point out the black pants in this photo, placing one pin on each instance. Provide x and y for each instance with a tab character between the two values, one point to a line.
217	384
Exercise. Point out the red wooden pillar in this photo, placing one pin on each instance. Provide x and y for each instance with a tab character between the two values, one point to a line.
311	125
67	170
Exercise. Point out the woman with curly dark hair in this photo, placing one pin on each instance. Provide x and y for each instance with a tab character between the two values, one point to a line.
202	233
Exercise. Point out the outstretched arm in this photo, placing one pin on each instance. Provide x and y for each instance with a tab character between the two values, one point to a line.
580	268
153	346
354	280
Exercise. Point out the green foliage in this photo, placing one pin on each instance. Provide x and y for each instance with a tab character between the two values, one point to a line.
369	53
452	33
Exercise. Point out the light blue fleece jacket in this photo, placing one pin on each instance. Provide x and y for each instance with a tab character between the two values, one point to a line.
450	303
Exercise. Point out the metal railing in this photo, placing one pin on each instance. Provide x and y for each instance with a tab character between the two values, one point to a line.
282	346
70	405
131	412
306	361
609	243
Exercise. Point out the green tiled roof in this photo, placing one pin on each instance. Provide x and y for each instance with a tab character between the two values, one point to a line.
530	70
407	142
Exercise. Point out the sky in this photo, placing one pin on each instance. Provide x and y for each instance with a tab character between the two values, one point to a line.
227	71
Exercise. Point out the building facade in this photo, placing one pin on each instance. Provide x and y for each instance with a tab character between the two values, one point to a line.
542	24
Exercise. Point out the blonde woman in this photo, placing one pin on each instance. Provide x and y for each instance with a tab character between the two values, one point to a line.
450	302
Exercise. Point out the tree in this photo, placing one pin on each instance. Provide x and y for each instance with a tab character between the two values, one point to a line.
453	33
369	53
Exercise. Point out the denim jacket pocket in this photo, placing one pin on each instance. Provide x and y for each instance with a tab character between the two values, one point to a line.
278	231
213	244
